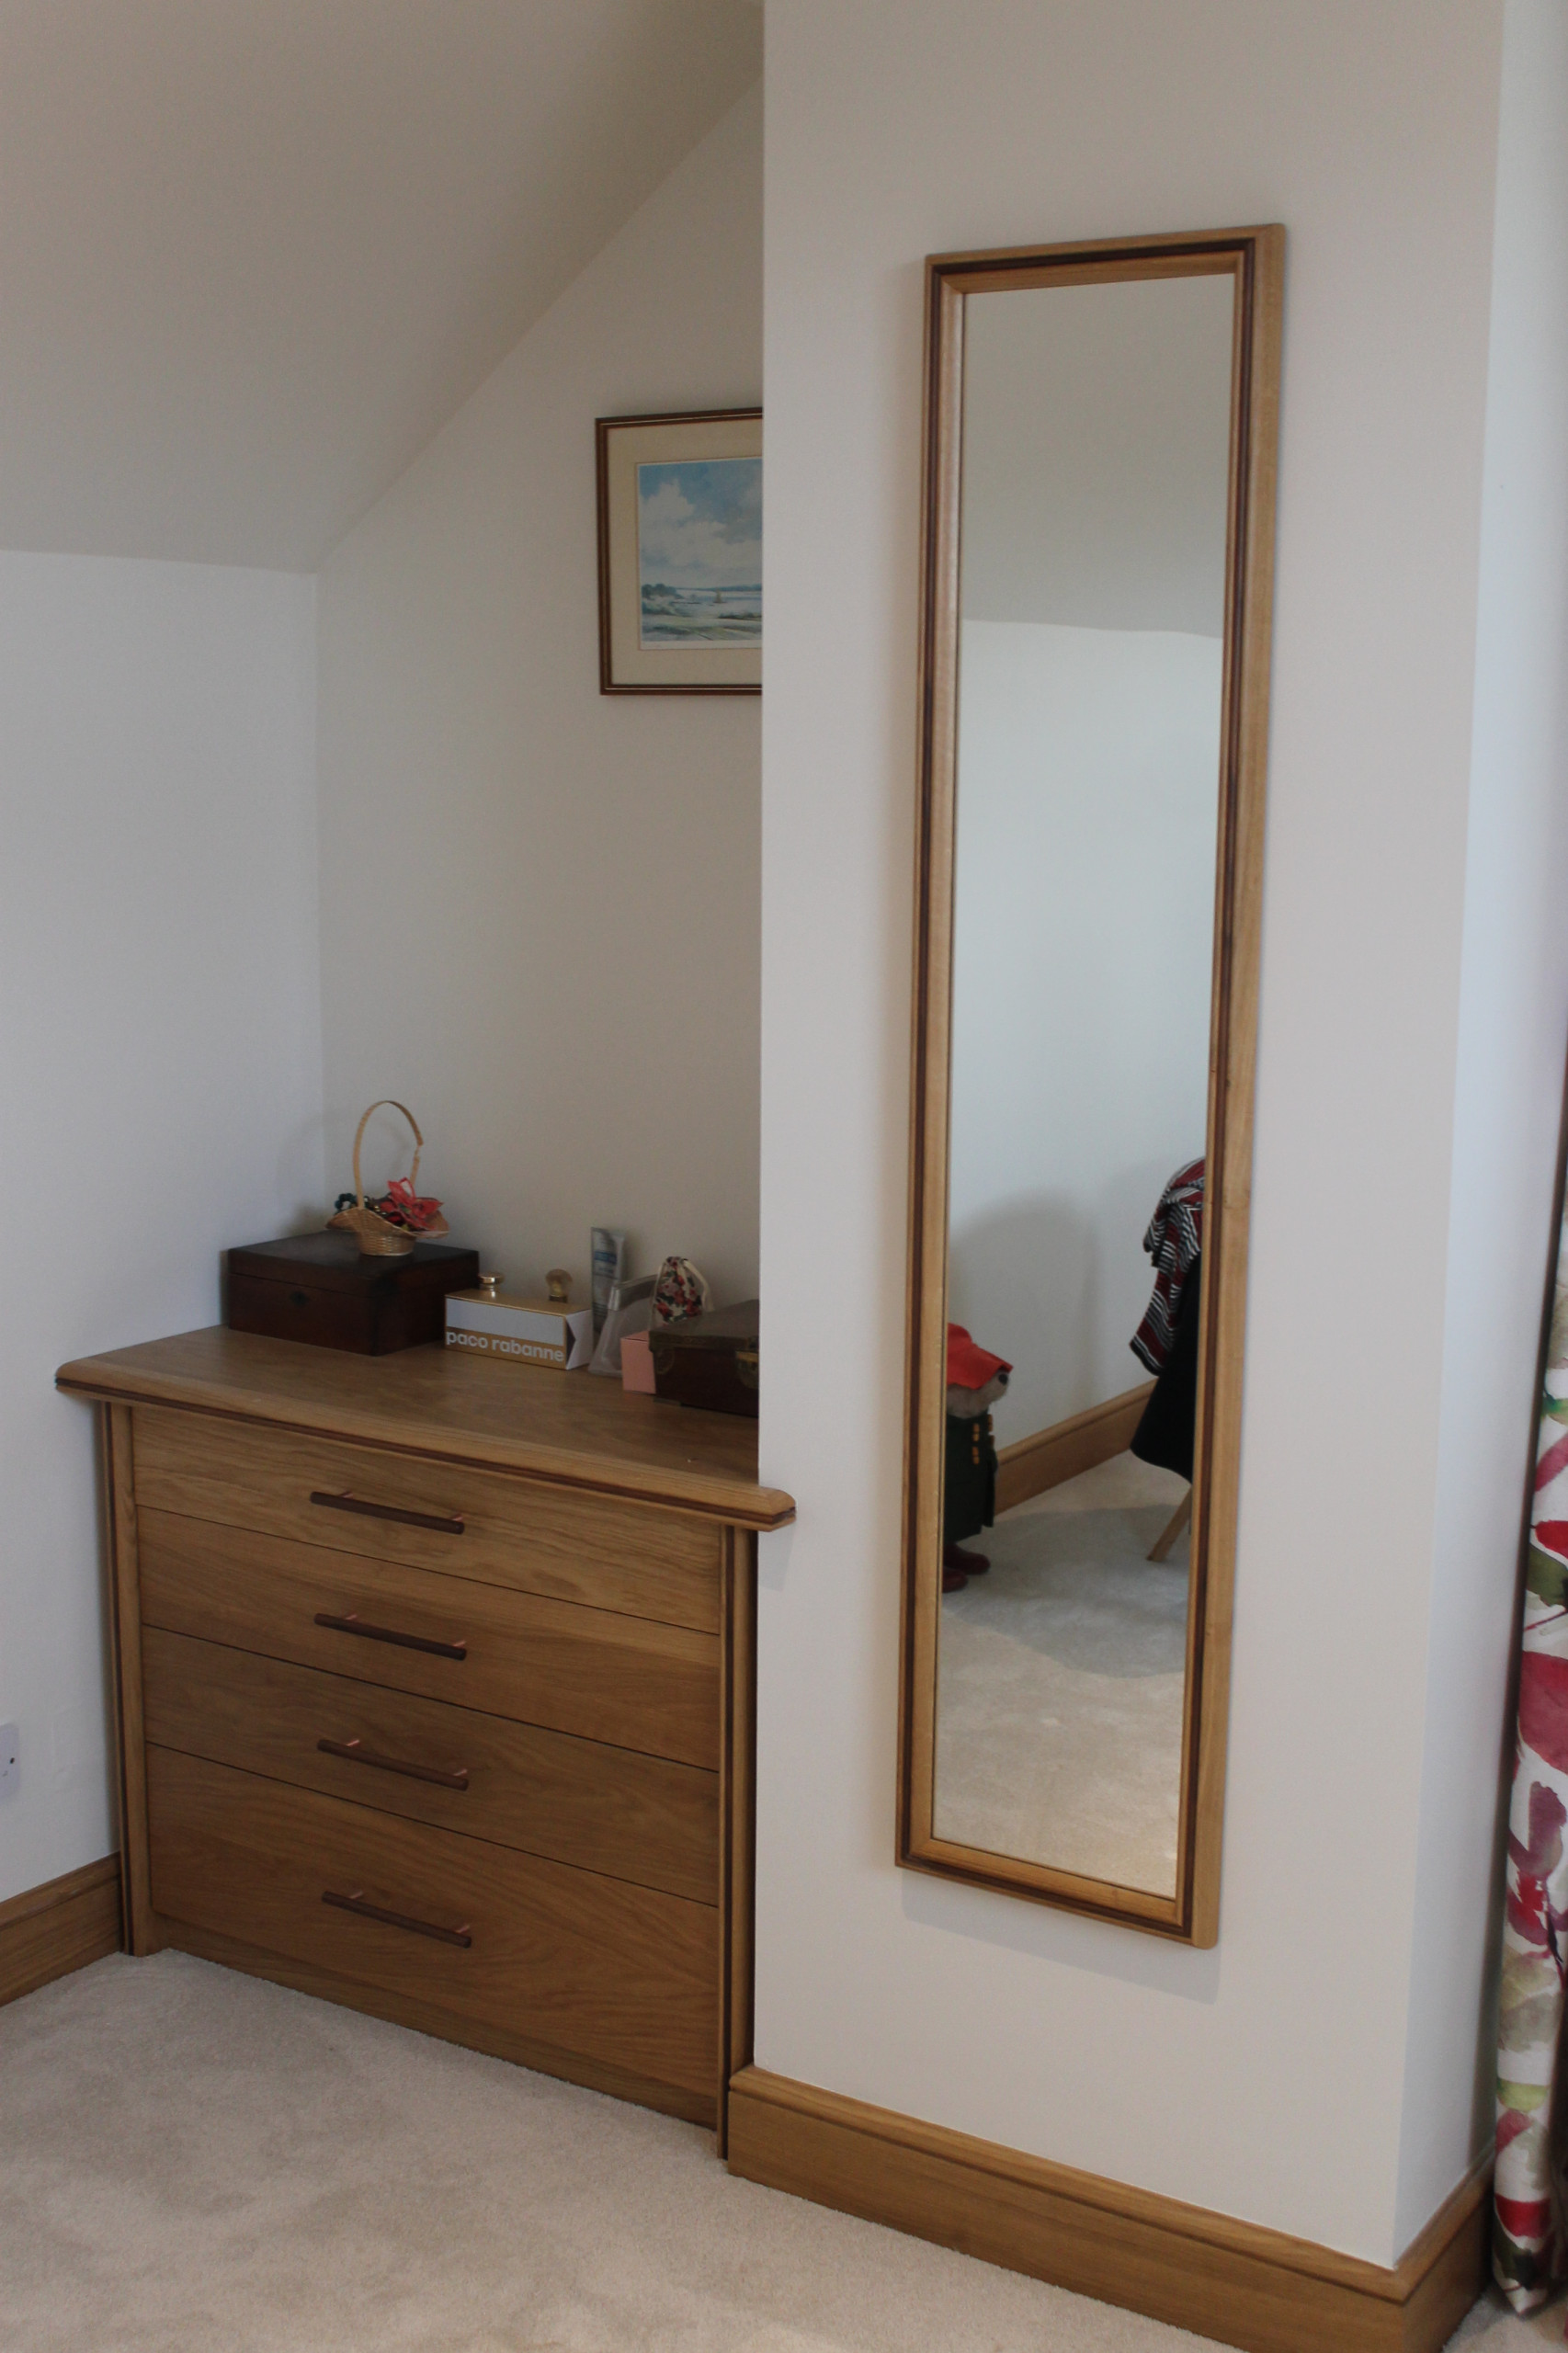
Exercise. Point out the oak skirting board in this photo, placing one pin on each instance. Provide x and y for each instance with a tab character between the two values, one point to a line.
1246	2286
49	1931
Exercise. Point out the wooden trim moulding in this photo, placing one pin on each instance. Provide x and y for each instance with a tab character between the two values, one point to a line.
1241	2283
125	1626
1254	258
737	1818
49	1931
108	1381
1033	1465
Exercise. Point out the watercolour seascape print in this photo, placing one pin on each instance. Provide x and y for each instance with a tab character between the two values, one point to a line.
700	553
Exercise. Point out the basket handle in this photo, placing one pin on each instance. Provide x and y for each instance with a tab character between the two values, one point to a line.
388	1102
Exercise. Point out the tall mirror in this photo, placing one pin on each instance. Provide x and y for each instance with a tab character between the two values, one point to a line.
1100	435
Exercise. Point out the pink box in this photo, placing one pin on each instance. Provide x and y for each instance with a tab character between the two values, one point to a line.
637	1364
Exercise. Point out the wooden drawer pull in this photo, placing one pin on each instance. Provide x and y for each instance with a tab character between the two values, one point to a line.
356	1903
354	1751
354	1624
444	1525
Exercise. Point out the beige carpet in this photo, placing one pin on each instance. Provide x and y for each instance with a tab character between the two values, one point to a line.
1060	1682
196	2162
1492	2328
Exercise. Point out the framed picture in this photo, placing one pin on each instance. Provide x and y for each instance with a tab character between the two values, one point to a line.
680	553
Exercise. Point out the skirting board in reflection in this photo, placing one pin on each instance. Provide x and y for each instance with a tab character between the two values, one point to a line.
1033	1465
1244	2285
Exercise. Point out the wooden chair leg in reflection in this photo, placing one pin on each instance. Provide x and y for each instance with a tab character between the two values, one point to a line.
1172	1528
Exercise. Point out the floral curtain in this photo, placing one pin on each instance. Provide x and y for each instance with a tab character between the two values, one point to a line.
1529	2249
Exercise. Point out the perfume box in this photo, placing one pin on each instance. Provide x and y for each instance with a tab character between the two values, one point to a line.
490	1322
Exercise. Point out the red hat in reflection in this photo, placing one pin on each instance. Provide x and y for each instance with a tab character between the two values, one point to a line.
969	1367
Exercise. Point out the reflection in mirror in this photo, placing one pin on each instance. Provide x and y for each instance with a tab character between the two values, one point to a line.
1091	611
1099	454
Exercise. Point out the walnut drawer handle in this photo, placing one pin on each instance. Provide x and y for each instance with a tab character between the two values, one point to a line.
444	1524
352	1624
356	1903
355	1752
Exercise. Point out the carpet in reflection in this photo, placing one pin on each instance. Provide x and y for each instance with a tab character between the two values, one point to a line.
1059	1678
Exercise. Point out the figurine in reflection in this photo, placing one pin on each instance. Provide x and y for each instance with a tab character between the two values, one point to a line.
1167	1340
975	1381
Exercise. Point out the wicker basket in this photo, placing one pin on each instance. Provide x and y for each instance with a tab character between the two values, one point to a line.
378	1237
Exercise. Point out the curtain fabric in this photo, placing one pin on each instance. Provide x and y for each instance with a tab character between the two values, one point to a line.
1529	2251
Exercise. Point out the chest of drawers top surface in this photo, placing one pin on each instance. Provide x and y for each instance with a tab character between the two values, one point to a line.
568	1428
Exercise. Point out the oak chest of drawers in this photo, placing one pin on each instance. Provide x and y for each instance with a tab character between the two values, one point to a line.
434	1696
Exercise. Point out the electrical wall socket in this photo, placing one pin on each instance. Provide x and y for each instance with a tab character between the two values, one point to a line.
10	1748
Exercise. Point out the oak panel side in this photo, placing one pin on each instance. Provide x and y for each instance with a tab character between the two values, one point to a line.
119	1478
737	1818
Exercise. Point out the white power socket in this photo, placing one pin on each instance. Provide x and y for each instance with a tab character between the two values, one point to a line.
10	1748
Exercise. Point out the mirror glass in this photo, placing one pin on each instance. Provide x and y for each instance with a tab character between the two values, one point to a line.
1095	464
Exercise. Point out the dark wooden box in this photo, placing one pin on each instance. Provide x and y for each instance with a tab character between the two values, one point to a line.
709	1360
322	1288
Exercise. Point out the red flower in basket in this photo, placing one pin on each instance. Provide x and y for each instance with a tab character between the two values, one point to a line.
400	1205
387	1228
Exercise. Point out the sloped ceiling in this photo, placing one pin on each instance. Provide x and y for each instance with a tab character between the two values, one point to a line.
254	253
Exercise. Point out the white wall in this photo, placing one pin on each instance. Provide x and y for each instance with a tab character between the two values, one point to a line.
1266	2078
539	903
1515	987
1083	954
160	1059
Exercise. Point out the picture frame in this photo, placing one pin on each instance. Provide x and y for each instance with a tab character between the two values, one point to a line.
680	553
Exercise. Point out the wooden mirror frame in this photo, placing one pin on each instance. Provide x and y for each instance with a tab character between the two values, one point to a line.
1254	259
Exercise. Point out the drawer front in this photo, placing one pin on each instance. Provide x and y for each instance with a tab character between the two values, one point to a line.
494	1529
637	1818
618	1973
629	1681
